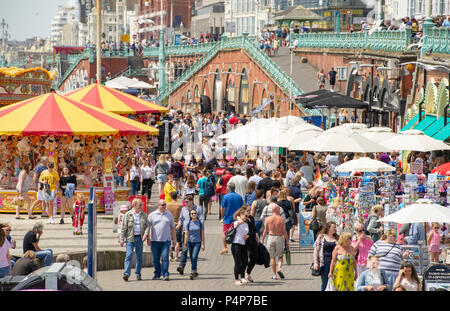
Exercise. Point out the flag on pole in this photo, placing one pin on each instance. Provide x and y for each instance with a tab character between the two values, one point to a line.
318	175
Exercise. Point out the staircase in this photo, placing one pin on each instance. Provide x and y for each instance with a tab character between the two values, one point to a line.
303	74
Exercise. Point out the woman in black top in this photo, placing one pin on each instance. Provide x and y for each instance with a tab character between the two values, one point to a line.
67	197
286	205
310	200
251	242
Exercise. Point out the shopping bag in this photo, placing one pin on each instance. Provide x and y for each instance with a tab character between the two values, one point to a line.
330	287
288	256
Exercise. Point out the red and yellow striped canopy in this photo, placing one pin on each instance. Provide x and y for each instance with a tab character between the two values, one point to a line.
113	100
53	114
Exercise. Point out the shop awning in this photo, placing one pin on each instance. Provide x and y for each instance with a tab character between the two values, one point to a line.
425	123
260	108
113	100
328	99
411	123
436	126
443	134
53	114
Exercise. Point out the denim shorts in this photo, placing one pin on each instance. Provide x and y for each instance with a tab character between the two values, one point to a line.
162	178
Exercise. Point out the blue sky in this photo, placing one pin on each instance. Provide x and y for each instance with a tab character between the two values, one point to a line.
29	18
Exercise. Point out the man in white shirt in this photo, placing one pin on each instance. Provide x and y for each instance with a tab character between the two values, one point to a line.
307	172
290	174
256	176
304	184
206	150
310	159
240	182
332	162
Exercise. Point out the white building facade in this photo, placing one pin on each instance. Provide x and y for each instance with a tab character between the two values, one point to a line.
249	15
396	9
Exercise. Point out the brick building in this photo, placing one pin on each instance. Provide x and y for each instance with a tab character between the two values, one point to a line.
149	12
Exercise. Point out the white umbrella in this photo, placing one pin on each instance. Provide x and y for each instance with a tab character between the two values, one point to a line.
241	130
340	141
415	140
273	132
141	85
422	211
379	134
276	137
122	81
115	85
292	120
364	164
349	127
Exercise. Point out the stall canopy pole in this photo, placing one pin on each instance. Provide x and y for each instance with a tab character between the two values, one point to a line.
92	234
129	166
98	44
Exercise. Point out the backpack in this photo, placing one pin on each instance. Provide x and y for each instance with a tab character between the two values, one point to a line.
366	224
210	186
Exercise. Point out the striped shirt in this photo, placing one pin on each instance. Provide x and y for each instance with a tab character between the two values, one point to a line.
267	212
390	255
137	224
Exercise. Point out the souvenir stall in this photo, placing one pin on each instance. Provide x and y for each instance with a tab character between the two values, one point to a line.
86	138
363	183
17	84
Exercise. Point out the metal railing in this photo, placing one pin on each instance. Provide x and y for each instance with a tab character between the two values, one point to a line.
378	40
437	41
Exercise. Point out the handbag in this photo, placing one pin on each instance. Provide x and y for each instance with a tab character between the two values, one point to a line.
229	235
314	272
314	225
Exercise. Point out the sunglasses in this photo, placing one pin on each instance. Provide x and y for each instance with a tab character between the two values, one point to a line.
193	213
7	230
360	231
162	204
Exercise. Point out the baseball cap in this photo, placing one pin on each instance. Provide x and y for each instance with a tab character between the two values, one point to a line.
268	172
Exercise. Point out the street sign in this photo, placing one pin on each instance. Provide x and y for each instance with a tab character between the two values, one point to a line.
125	38
437	277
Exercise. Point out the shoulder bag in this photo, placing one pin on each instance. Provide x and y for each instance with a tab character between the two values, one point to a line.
229	235
315	272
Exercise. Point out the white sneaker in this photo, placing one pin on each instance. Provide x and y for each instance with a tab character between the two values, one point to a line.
238	283
248	278
51	220
244	281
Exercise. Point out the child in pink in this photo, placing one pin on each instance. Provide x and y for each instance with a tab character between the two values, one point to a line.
434	243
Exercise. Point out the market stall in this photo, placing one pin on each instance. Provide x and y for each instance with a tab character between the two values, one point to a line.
86	138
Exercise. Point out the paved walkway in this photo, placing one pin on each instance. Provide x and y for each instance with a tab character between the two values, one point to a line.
304	74
216	271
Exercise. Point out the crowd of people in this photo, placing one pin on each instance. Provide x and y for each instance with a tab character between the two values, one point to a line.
260	198
259	195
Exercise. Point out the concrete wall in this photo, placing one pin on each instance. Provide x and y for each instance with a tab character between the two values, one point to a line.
109	260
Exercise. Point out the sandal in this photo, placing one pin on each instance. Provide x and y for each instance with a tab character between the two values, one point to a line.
18	217
32	217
